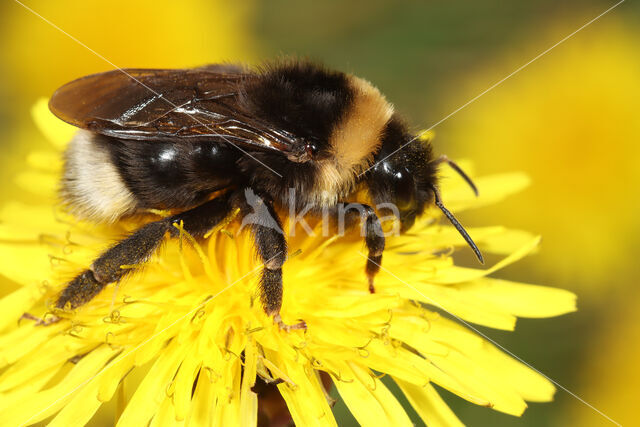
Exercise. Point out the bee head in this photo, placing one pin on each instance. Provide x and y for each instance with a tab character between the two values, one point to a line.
402	175
404	179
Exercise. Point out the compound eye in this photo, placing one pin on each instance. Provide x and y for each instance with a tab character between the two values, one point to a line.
311	149
405	189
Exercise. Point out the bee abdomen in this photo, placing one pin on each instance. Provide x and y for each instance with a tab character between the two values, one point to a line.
106	178
91	186
170	175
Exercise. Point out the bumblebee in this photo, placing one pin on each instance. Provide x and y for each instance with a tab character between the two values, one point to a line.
198	142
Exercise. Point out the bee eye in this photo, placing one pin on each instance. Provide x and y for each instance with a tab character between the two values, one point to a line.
312	148
405	189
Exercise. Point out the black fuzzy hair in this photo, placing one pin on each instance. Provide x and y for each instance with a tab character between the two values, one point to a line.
304	98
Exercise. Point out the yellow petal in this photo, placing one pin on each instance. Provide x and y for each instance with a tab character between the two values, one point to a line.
370	402
306	400
118	368
203	401
492	189
520	299
80	409
15	304
29	264
504	242
366	410
150	393
338	306
23	348
451	300
416	332
496	391
429	405
227	394
166	415
166	327
249	399
27	389
35	221
492	366
401	363
460	274
47	402
183	385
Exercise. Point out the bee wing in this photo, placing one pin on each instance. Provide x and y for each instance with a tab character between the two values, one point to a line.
147	104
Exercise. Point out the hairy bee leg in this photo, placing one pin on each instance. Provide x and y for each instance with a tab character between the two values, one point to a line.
373	235
137	248
271	245
375	241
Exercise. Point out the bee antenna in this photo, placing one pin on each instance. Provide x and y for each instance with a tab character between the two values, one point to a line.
456	224
455	167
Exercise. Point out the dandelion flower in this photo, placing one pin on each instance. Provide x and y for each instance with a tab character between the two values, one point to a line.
190	340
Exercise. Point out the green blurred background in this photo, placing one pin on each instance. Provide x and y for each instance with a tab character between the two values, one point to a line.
571	120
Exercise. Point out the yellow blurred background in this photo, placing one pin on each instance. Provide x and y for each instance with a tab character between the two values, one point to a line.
570	120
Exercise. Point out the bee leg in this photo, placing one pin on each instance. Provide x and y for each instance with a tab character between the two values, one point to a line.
272	248
373	235
374	239
271	245
137	248
40	321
